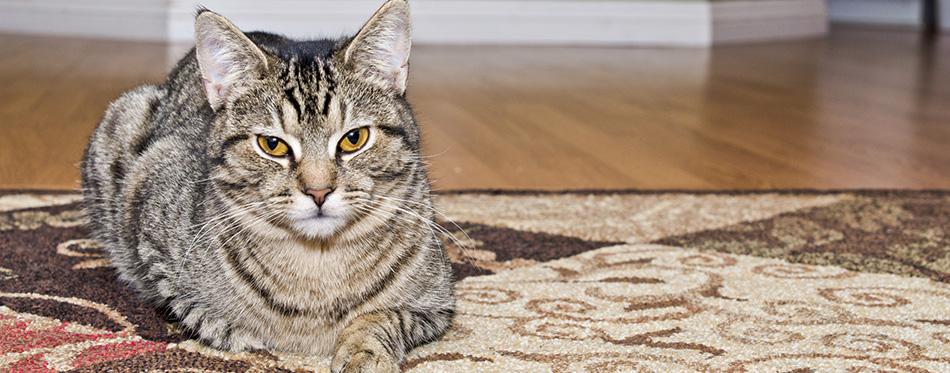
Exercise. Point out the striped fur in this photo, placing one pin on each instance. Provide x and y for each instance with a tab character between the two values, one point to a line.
203	222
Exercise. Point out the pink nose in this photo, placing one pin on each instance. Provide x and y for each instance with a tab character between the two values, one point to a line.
319	196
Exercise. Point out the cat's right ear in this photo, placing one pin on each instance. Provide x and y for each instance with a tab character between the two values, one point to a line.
380	50
228	60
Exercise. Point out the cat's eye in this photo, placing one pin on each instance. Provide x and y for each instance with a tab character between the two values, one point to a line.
354	140
273	146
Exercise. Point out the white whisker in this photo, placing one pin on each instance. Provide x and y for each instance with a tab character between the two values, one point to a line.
431	225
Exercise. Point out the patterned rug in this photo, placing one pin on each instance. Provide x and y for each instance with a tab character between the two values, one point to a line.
562	282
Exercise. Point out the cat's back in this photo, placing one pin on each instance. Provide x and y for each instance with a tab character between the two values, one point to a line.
142	119
123	135
143	152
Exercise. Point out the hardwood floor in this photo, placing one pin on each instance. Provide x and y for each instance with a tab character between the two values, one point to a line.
864	108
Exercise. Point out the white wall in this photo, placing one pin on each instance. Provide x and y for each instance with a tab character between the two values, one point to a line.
474	21
113	19
295	18
597	22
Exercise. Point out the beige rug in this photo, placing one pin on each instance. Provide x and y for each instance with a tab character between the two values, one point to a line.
564	282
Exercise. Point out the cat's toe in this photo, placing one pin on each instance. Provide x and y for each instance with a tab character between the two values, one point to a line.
363	361
245	342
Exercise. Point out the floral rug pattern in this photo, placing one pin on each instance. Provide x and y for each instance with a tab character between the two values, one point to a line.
561	282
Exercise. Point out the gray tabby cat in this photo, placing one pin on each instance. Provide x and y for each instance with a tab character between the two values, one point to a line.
270	194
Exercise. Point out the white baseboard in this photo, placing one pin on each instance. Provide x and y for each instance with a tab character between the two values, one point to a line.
885	12
748	21
577	22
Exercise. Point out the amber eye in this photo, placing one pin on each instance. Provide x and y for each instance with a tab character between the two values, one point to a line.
273	146
354	140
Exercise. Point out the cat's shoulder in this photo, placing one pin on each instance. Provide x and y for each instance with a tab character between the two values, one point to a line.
133	108
140	98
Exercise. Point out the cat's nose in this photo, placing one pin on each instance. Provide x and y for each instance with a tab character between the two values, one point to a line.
319	195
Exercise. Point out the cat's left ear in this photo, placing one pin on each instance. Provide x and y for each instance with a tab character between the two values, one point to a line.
380	50
228	60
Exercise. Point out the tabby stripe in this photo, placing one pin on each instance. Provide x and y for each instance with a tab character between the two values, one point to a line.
250	254
154	277
118	174
184	313
341	309
144	142
326	103
410	337
233	194
359	219
389	176
199	323
419	177
228	331
389	235
201	190
231	141
280	223
426	325
135	229
156	244
273	220
399	337
331	85
238	186
392	131
293	102
410	195
384	336
400	316
110	125
207	341
194	322
94	187
401	134
290	74
216	161
228	185
241	268
209	335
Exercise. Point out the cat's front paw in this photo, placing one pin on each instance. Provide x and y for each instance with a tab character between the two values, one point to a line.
360	350
242	340
352	359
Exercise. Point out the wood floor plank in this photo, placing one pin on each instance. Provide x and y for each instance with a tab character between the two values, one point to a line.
863	108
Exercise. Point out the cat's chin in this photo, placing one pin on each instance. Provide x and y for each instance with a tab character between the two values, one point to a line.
319	226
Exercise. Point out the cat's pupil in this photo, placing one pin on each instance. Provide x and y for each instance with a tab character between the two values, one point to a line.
272	143
353	136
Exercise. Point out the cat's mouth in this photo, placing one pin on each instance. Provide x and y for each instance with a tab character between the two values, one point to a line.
319	223
319	215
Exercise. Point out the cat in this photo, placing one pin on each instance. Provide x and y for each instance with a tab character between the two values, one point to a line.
271	195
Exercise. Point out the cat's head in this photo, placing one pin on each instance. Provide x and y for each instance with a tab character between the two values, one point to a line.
312	138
